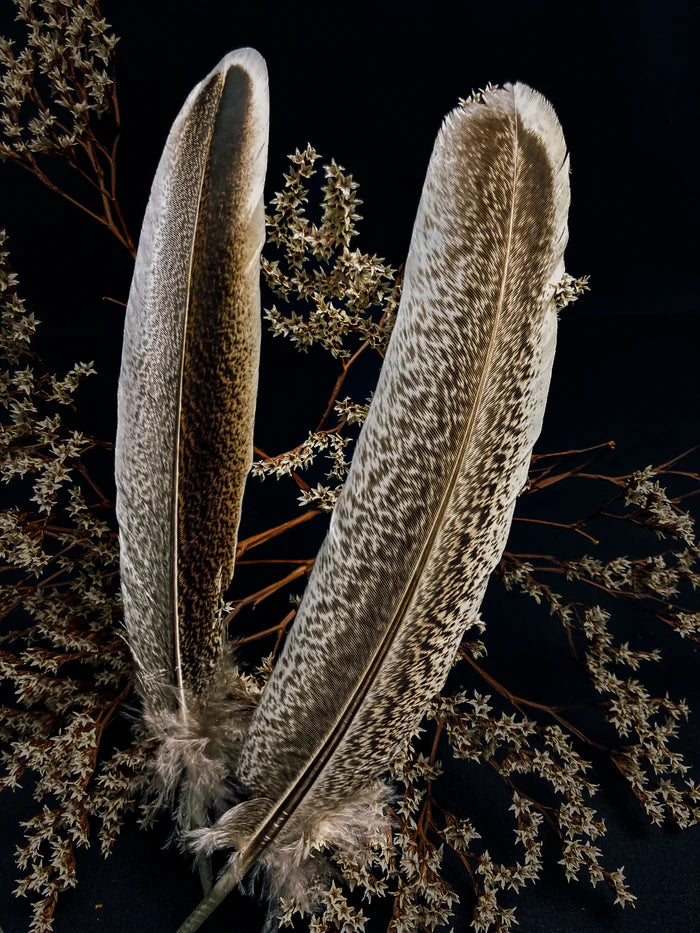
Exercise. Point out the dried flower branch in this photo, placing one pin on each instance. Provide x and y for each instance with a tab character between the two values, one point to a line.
66	663
53	92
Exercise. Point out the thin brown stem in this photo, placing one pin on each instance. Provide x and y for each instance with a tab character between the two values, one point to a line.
339	384
519	702
610	445
278	629
262	536
568	526
254	599
663	467
276	560
109	713
34	169
91	482
541	477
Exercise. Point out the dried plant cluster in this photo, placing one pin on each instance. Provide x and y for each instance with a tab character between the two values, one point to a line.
53	92
342	300
68	670
66	663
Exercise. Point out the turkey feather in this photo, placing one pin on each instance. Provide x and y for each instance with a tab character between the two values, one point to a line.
424	516
187	393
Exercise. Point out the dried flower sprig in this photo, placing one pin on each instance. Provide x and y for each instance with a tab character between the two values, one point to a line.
53	92
351	297
66	663
569	289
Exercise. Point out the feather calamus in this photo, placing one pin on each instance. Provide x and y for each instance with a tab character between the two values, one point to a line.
187	394
424	515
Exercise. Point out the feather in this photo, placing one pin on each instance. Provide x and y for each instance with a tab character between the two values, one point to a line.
424	515
187	393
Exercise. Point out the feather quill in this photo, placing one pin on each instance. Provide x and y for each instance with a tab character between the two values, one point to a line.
186	405
426	509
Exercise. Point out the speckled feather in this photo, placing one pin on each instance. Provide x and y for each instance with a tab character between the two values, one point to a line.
424	515
188	383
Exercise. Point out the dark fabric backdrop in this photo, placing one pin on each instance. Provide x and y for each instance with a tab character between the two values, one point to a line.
368	85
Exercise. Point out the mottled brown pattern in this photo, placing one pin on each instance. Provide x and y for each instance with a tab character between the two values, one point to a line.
424	516
219	383
192	320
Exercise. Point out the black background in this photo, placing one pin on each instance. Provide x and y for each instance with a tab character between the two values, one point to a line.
368	85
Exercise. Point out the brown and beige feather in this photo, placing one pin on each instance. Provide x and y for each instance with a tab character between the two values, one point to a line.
425	513
187	395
